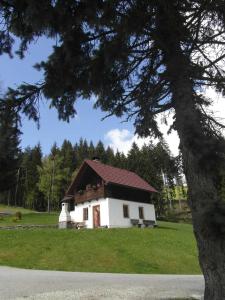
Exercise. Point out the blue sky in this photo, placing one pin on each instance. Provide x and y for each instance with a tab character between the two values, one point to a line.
87	124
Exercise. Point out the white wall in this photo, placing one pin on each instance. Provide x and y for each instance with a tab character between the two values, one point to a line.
111	212
77	214
116	218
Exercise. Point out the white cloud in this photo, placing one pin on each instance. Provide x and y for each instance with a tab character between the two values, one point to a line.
123	139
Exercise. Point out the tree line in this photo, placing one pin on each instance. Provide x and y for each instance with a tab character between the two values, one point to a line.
32	180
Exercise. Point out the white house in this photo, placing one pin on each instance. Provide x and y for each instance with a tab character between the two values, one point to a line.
105	196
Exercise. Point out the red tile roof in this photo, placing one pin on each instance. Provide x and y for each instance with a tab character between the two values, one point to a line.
119	176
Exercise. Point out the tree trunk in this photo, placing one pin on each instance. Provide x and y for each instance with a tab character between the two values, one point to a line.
205	206
198	152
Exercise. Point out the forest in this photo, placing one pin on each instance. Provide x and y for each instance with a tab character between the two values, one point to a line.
32	179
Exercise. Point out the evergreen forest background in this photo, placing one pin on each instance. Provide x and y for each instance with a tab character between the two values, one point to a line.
30	179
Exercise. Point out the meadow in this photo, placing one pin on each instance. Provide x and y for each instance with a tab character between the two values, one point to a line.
169	248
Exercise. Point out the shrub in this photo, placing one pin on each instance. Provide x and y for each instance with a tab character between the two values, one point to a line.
18	215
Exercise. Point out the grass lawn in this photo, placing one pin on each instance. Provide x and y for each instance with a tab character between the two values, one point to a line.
12	209
31	219
168	249
28	217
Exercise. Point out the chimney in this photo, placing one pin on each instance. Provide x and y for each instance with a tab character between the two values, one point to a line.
96	158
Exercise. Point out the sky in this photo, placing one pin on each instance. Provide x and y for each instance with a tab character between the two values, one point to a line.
87	123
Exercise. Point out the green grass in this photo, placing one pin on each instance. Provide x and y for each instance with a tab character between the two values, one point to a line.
30	219
13	209
168	249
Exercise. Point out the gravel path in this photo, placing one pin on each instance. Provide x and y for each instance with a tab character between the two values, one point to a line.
23	284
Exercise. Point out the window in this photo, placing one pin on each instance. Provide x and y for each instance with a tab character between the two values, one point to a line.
125	211
141	212
85	214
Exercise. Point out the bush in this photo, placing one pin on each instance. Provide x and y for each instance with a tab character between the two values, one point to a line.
18	215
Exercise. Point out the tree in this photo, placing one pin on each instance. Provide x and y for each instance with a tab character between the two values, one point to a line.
9	148
149	162
100	152
140	58
30	162
69	156
52	180
109	154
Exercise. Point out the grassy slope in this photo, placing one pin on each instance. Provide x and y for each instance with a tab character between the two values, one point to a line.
170	249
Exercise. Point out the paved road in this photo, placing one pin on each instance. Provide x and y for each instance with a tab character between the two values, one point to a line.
23	284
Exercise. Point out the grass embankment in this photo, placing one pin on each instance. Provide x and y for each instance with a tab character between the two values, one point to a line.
168	249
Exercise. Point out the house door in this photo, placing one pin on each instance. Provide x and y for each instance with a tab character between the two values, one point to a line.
96	215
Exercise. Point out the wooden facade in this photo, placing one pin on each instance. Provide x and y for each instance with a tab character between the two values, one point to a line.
90	193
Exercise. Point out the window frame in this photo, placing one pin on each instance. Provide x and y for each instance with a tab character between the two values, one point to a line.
126	211
85	213
141	212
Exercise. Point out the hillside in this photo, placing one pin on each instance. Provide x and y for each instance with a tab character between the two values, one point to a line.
168	249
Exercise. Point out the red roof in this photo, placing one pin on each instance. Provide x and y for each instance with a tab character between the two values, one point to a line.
119	176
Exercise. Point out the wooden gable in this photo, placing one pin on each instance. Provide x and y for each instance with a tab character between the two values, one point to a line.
91	184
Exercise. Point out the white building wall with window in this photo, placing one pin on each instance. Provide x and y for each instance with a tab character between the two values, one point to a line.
116	212
112	212
77	214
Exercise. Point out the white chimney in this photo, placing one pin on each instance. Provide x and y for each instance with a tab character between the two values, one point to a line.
64	216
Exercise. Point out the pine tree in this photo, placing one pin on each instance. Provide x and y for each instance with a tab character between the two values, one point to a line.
100	152
133	158
30	194
109	154
69	156
9	150
91	150
140	58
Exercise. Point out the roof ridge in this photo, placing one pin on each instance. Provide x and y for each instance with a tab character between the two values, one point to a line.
118	175
99	162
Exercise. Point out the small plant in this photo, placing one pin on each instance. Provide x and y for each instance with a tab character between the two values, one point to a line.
80	192
18	215
14	219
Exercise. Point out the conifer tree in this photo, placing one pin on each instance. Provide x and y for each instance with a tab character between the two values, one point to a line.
140	58
9	149
30	194
69	156
100	152
91	150
109	154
